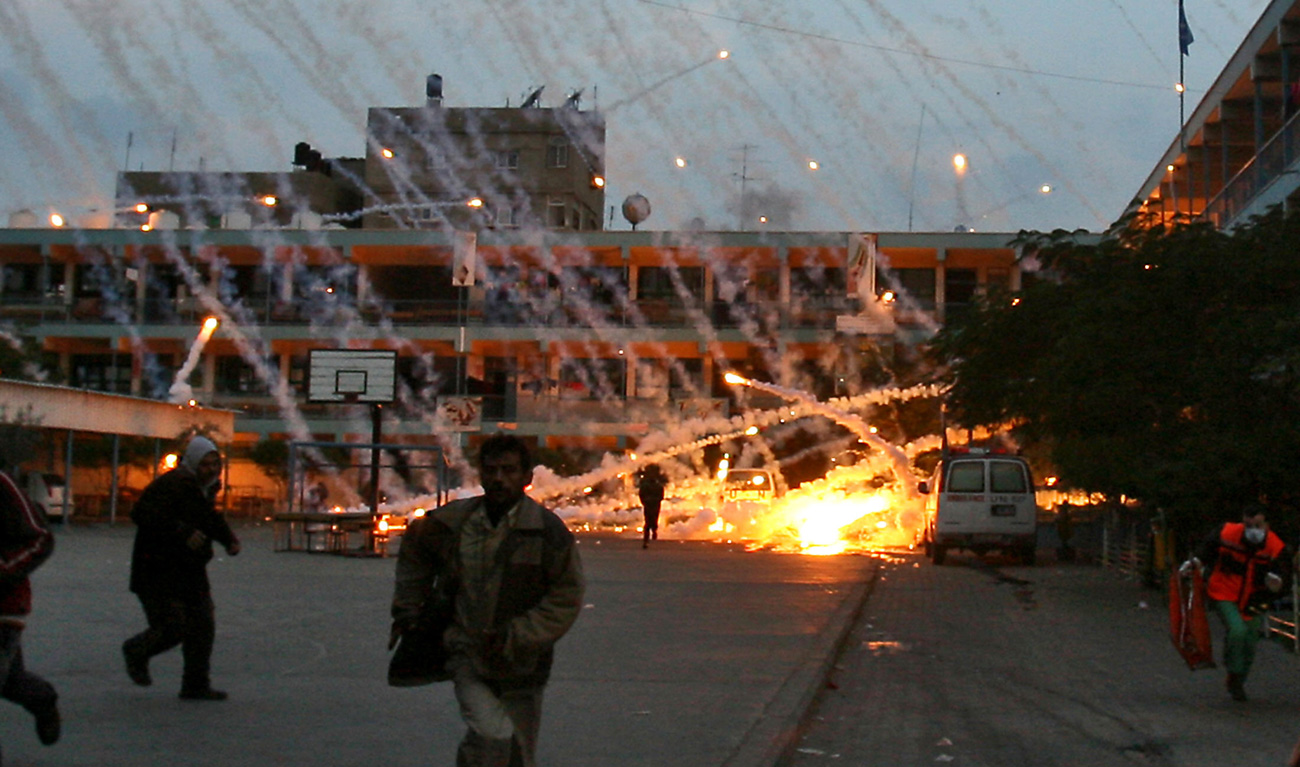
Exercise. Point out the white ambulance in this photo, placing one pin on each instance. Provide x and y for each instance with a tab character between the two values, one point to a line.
980	500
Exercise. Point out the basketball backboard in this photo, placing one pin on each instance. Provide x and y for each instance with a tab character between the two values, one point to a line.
352	375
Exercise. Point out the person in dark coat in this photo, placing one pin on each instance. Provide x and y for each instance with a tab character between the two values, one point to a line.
25	544
650	488
176	523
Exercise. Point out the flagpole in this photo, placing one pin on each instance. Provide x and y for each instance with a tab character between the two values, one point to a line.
1185	40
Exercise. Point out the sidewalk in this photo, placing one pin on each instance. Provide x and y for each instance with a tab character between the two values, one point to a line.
692	653
981	662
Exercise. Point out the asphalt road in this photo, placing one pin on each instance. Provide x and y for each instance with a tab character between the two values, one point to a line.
977	663
691	654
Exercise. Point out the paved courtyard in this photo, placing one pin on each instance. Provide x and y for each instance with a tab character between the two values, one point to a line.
695	650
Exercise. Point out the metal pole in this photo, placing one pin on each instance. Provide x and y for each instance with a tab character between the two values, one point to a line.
377	428
67	481
112	498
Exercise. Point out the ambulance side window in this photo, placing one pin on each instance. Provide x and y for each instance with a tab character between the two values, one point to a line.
966	477
1007	477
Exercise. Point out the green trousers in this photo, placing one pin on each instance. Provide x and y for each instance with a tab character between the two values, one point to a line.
1239	643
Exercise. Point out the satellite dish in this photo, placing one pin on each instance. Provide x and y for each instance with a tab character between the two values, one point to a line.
533	98
574	101
636	208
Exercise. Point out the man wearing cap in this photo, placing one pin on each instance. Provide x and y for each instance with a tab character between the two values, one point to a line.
176	523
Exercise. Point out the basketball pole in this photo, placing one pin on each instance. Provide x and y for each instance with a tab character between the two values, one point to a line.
376	439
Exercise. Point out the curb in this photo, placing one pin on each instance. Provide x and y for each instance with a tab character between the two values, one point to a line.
772	739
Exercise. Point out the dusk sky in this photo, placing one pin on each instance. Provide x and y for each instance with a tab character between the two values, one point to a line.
1078	96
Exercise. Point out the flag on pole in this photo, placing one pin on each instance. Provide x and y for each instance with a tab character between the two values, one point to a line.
1185	38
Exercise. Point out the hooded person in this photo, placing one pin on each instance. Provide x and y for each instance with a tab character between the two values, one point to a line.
176	523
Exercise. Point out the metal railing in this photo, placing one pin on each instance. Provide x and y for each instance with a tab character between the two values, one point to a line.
490	312
1283	625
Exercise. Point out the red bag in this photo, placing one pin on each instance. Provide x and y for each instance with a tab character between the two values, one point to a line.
1189	627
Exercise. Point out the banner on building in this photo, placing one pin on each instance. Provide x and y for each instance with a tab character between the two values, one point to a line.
862	265
464	259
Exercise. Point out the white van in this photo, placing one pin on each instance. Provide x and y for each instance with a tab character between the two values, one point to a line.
979	501
48	491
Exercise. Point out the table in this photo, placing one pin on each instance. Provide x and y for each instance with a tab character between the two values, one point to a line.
297	531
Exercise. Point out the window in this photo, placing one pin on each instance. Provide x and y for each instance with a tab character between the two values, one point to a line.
556	213
21	279
1007	477
817	281
959	285
507	216
730	283
658	281
997	277
507	159
593	378
916	285
236	376
966	477
103	372
557	154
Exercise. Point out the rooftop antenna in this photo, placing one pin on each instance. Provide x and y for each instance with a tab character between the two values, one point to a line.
533	98
744	178
574	101
916	154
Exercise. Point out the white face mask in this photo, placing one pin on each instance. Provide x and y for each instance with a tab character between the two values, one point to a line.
1255	535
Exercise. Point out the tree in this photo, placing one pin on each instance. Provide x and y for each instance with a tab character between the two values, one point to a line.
1160	364
272	457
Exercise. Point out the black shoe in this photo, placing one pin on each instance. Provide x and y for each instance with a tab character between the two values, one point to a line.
48	725
1237	688
205	693
137	666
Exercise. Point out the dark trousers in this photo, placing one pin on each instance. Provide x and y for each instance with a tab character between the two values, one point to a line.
17	684
651	505
189	622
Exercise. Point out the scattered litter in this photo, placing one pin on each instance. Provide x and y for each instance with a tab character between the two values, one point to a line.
1142	605
944	742
588	606
944	758
811	751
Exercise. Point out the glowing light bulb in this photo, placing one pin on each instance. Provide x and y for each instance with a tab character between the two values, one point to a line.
680	162
813	165
269	200
387	153
475	202
959	162
751	431
210	324
141	207
1045	188
56	220
724	54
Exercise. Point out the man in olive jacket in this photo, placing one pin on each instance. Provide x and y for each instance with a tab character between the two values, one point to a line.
176	523
516	577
